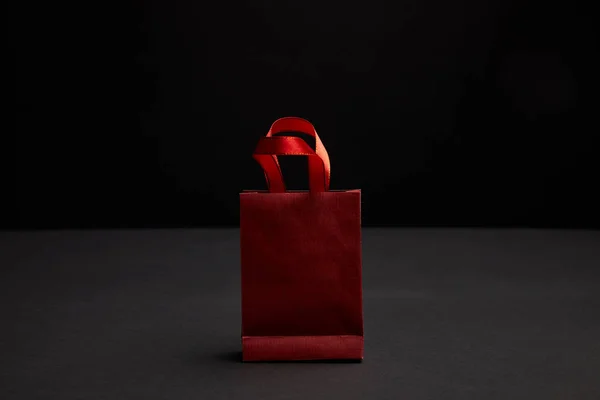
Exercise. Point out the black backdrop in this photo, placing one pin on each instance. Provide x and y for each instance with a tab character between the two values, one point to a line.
444	113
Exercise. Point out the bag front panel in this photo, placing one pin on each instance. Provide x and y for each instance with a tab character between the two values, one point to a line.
301	264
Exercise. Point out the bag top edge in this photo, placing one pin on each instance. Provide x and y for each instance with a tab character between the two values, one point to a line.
299	191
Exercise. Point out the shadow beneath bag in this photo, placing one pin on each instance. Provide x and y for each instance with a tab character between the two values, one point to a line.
236	357
229	356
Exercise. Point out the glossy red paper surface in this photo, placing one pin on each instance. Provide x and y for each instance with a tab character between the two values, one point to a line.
301	265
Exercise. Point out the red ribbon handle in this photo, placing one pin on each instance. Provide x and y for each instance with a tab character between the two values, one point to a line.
269	147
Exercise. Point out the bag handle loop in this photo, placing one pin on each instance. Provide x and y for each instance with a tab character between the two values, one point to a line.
269	147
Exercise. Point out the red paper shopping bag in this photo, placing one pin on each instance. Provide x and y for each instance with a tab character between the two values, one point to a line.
301	259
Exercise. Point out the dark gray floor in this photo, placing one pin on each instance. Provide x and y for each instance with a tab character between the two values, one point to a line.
449	314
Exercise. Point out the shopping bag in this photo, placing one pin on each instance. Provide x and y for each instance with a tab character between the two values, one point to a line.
301	261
